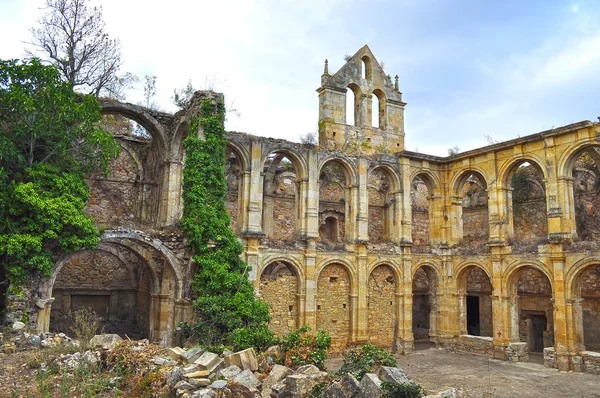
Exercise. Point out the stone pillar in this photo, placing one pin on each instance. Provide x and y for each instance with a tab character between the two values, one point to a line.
362	204
405	325
362	328
256	191
396	231
171	201
404	211
310	258
243	203
501	309
302	207
567	198
499	214
561	335
312	197
455	221
462	313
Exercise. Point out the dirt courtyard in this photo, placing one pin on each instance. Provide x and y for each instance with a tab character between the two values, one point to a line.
437	370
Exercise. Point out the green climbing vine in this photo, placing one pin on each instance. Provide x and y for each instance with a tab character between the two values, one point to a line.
225	302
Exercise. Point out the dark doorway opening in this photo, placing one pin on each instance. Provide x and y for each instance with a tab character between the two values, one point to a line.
473	323
538	326
421	314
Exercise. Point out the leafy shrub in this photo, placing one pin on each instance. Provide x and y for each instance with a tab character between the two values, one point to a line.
85	325
259	338
365	359
406	390
301	348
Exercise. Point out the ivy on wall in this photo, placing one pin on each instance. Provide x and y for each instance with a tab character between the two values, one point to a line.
224	295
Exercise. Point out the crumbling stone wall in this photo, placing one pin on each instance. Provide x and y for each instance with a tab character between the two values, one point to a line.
420	212
379	204
535	294
279	287
332	203
590	293
530	221
586	189
475	211
115	199
333	304
383	307
279	206
98	280
478	284
421	305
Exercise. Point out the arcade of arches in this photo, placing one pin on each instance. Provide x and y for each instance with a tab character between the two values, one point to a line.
495	250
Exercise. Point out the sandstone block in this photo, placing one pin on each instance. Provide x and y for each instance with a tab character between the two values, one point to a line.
205	393
198	374
370	386
175	353
247	378
229	372
218	385
245	359
334	391
199	382
277	374
192	354
209	361
350	385
393	375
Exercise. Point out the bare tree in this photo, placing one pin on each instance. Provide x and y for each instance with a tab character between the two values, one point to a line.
72	36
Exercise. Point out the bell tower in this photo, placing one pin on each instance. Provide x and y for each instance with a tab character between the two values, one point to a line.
360	108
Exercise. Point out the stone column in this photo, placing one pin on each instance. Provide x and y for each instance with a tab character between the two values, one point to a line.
362	204
404	211
561	335
302	207
462	313
310	258
567	198
501	309
171	196
256	191
455	222
362	328
405	325
312	197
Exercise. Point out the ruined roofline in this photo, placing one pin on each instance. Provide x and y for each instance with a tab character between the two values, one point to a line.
500	145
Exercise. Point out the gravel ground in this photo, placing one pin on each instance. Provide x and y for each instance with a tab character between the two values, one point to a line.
437	370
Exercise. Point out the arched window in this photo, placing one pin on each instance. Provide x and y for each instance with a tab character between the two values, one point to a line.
366	68
375	111
350	107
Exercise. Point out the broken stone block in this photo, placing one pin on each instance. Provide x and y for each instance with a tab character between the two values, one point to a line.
200	374
334	391
350	385
163	361
190	368
105	341
192	354
245	359
308	370
229	372
300	385
199	382
18	326
184	385
175	353
175	376
278	373
209	361
247	379
219	385
393	375
370	386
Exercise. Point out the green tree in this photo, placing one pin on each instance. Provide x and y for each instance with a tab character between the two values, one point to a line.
49	138
225	297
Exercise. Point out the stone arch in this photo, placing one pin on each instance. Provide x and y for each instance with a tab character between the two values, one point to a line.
280	286
348	166
347	265
471	210
425	300
459	179
508	167
382	202
335	303
569	155
336	197
140	115
396	268
530	287
523	181
355	112
383	304
236	165
378	114
367	67
430	179
583	284
162	311
283	191
474	287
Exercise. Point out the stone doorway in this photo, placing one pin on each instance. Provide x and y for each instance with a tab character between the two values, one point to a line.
535	334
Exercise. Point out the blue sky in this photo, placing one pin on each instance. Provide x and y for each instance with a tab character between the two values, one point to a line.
468	69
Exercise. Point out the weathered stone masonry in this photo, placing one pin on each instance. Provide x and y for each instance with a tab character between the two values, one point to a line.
493	250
